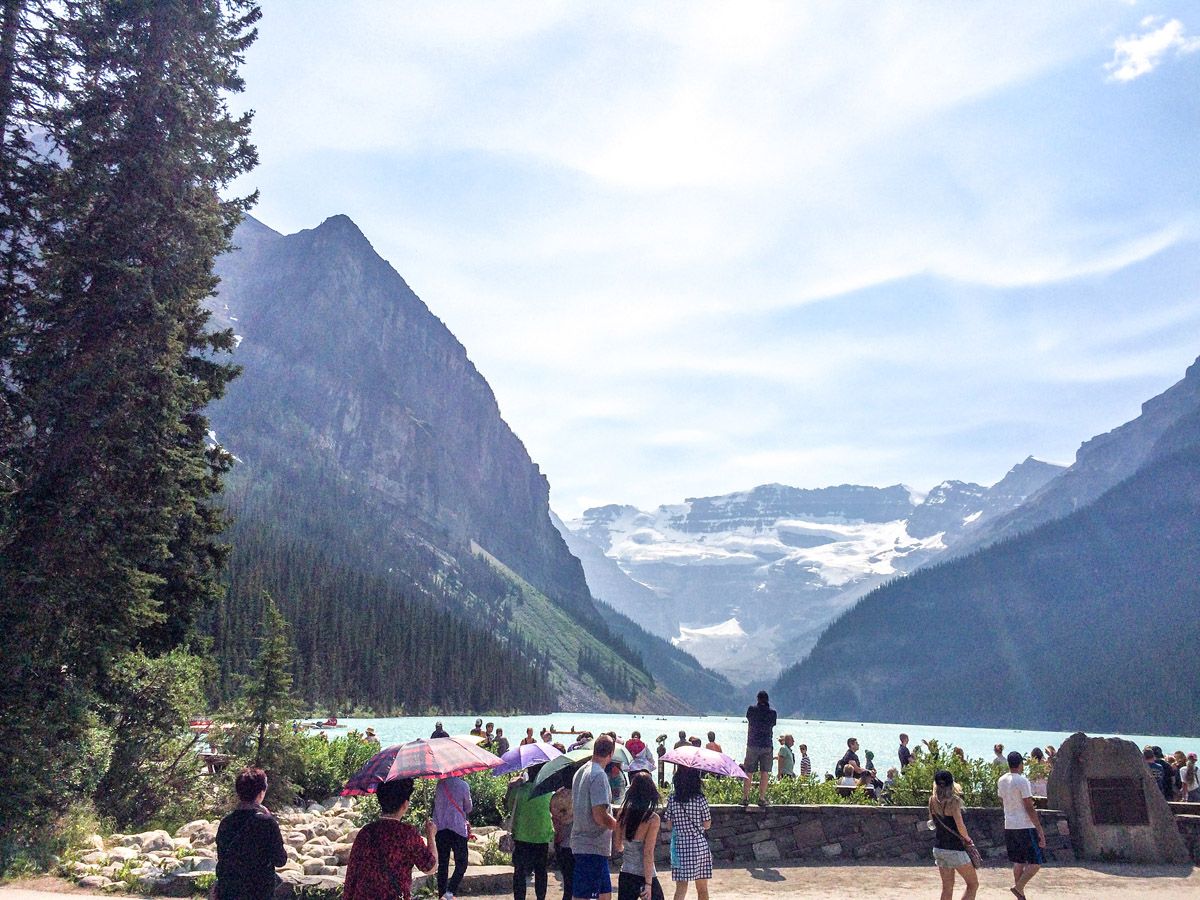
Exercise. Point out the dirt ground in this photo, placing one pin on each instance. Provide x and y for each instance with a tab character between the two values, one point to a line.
1094	882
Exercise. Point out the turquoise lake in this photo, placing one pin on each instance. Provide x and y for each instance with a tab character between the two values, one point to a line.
826	740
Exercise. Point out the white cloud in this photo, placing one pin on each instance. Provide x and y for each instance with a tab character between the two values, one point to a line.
1139	54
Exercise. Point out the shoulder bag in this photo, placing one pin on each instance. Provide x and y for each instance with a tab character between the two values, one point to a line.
971	850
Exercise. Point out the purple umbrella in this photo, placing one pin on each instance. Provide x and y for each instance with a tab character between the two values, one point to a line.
704	760
525	755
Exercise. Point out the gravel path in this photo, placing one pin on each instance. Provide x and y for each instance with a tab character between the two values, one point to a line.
1097	882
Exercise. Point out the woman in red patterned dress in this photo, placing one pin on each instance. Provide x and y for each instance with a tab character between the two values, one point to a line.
385	851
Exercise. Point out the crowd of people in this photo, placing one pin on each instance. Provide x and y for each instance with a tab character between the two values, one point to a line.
609	811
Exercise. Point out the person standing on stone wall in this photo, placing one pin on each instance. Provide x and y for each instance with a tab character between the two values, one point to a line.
761	721
1023	835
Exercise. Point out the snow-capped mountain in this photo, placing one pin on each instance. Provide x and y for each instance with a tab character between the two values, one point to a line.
746	582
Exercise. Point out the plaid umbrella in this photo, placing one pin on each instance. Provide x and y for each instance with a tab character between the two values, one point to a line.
526	755
704	760
440	758
432	758
372	774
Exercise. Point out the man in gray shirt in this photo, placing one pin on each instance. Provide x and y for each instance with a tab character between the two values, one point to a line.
591	833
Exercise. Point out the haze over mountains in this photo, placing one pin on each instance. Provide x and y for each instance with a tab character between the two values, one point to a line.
383	501
1087	620
746	582
366	434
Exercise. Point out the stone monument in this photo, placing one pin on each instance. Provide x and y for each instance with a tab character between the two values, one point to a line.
1115	808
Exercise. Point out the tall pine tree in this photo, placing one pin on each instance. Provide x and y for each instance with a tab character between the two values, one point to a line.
110	535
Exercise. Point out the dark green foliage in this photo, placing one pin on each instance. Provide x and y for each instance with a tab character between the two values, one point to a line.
613	680
1083	623
265	700
676	670
108	536
366	638
151	770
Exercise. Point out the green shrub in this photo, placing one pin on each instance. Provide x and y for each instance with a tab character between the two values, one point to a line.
976	777
789	791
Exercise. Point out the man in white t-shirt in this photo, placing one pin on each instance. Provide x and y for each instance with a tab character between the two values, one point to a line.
1023	835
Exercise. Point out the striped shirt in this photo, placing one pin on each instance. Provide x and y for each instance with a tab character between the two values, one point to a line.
805	765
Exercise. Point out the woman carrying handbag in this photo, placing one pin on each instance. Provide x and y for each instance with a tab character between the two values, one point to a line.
953	849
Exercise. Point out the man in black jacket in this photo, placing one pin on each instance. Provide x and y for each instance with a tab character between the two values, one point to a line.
760	748
249	843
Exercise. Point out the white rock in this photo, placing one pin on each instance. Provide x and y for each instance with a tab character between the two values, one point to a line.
204	865
122	853
153	840
474	858
94	881
315	808
192	827
295	839
95	858
95	842
313	866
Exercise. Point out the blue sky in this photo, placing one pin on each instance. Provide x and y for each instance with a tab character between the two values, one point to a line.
696	247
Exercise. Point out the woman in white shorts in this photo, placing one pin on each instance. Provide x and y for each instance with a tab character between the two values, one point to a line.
950	838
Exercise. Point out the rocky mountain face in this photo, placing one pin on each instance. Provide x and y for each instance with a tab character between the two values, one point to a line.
1086	621
1100	464
361	423
747	581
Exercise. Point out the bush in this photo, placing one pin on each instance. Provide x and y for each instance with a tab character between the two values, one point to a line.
799	790
976	777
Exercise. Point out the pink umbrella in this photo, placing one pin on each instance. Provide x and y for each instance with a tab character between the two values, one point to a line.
704	760
440	758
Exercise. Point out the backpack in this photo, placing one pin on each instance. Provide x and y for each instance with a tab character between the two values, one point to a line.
839	768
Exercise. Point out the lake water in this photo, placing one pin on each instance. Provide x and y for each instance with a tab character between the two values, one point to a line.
826	740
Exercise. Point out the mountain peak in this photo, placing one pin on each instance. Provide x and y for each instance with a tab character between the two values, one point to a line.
341	228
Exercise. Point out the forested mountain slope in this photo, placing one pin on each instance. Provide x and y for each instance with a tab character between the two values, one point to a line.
364	432
1087	622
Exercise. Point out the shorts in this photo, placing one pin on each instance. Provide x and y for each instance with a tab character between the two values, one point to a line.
629	887
591	877
1022	846
758	759
950	859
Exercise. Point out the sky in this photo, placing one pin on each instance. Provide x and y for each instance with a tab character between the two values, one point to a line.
695	247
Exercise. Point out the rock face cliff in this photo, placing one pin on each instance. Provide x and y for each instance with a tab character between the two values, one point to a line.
363	428
1085	621
345	369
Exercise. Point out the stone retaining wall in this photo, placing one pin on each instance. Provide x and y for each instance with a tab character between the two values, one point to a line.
844	833
1189	830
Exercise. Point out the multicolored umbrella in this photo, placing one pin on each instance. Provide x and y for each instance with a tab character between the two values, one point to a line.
440	758
526	755
705	761
372	774
422	758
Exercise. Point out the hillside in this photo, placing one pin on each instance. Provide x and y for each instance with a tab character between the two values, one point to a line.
1087	622
363	430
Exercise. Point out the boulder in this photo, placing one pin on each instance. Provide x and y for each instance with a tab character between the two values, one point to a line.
94	882
152	840
95	842
95	858
122	853
192	827
204	865
1114	806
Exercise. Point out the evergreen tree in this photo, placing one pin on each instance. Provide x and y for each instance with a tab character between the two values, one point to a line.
110	535
266	701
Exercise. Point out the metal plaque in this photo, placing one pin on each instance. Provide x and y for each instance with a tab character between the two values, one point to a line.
1117	801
